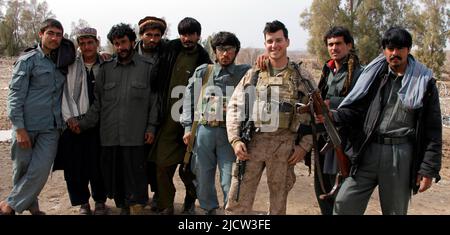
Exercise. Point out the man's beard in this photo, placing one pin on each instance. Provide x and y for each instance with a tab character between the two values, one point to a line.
150	48
189	45
128	54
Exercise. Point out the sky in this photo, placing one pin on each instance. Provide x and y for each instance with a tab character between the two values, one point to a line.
245	18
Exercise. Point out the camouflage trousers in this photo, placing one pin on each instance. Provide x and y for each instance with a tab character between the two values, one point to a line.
269	151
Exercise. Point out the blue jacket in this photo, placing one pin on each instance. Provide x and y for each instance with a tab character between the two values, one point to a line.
34	100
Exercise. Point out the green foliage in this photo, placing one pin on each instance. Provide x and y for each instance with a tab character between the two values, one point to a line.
322	15
431	33
19	24
369	19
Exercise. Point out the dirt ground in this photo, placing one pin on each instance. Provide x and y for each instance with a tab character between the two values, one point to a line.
54	199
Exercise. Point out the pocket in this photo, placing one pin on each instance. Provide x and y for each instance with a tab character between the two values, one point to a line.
109	91
404	114
16	81
42	77
138	90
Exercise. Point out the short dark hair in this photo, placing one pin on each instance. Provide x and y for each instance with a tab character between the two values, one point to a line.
274	26
189	25
225	39
121	30
339	31
396	37
50	22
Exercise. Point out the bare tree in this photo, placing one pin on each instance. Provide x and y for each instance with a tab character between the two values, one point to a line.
76	26
32	15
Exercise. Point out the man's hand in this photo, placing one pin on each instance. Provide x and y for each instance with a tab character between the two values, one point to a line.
241	151
149	138
297	156
260	61
74	125
187	138
105	56
22	138
425	182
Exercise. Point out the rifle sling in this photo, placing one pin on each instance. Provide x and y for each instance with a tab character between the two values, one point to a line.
190	147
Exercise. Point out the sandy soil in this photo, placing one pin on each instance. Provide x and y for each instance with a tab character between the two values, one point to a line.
54	199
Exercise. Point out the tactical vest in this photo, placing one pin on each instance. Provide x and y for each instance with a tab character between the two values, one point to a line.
275	100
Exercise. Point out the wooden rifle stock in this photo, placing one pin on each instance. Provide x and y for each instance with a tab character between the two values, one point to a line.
321	108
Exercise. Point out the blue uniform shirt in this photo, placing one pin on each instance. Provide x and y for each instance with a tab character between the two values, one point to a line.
34	100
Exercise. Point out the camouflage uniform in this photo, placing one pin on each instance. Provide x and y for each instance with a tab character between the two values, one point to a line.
271	148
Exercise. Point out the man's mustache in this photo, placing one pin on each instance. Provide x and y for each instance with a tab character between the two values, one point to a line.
395	56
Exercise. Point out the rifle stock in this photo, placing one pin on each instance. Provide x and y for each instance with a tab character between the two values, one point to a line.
320	108
190	146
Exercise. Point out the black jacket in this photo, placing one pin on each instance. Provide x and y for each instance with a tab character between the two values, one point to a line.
167	61
363	115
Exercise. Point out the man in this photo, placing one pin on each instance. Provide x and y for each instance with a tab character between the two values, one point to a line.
125	106
278	89
151	44
395	108
152	47
211	143
339	75
79	155
34	108
177	65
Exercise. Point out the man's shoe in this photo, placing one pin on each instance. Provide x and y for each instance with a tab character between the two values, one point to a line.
167	211
137	209
100	208
211	212
153	205
188	208
85	209
125	211
34	210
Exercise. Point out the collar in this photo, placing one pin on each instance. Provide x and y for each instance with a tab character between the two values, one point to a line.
41	52
132	62
230	69
332	66
393	75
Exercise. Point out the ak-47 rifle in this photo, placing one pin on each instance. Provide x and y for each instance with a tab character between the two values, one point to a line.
318	106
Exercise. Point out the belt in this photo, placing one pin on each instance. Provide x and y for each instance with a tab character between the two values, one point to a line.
213	123
80	117
391	140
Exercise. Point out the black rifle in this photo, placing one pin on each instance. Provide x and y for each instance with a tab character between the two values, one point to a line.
247	131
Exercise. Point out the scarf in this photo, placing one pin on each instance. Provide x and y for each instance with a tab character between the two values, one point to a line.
414	82
75	100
